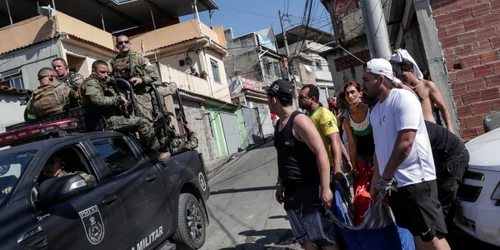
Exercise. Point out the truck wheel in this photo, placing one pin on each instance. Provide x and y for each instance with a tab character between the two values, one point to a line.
191	223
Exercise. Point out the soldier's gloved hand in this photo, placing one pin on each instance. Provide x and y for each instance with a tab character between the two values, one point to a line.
136	80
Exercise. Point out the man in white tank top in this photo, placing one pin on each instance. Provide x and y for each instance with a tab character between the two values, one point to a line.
403	157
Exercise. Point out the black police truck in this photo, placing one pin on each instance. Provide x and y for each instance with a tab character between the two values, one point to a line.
135	202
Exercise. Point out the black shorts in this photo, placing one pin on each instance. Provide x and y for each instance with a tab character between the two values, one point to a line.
417	208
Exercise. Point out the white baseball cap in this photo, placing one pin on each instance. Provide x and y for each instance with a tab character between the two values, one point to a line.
380	66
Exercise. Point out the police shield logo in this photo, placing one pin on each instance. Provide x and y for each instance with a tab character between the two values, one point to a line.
93	224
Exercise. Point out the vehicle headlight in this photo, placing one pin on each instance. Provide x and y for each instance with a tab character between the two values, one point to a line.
496	193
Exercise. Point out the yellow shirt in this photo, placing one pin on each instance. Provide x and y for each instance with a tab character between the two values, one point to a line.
326	123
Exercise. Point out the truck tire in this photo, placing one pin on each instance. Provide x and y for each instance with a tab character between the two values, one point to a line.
190	224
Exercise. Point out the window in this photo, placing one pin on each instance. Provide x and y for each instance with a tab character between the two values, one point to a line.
117	154
70	159
13	82
215	70
277	69
12	167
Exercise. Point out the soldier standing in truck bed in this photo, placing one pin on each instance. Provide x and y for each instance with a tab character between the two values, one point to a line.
138	71
141	74
102	93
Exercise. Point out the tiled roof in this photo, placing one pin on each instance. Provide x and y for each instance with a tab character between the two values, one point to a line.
13	91
93	43
204	96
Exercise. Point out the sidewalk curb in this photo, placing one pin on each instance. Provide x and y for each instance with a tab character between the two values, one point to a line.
230	159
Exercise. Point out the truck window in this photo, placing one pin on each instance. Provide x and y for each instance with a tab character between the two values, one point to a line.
12	167
117	154
67	161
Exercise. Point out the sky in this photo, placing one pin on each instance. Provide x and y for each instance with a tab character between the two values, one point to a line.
245	16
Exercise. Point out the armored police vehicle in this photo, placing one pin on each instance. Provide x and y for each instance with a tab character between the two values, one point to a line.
108	194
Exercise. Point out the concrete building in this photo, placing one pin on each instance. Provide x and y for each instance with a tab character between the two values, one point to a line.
350	48
11	110
455	40
254	55
249	93
308	67
81	37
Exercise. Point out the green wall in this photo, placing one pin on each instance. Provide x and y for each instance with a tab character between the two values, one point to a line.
218	134
243	130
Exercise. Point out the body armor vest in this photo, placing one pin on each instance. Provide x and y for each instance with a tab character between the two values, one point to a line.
50	99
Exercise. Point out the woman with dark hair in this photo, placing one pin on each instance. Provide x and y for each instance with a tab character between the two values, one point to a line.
361	147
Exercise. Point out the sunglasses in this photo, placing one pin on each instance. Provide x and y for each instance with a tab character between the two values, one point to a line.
51	77
123	42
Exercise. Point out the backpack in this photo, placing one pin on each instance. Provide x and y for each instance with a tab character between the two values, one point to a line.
50	99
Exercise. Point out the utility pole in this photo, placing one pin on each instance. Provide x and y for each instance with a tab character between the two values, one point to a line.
376	29
289	71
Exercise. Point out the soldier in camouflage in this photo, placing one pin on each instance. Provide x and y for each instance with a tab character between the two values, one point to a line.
141	73
190	143
70	78
138	71
50	98
101	92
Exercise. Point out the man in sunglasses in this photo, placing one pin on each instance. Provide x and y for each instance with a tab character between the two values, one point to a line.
138	71
141	74
50	98
70	78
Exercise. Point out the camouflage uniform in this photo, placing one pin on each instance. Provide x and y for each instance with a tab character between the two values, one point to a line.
89	179
107	98
72	79
133	65
191	143
49	100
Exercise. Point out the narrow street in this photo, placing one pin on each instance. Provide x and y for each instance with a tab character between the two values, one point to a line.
245	215
243	211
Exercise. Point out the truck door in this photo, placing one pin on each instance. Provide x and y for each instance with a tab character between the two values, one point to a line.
93	220
143	190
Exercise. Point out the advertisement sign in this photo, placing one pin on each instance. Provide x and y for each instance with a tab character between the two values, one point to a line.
266	42
252	84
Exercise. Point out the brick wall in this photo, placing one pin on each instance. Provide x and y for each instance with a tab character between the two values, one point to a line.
469	31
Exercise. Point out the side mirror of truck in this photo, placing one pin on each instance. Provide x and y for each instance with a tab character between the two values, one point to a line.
55	190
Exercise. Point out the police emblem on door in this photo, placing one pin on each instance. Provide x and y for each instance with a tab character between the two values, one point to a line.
93	224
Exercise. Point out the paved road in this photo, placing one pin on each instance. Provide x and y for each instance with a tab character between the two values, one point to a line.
245	215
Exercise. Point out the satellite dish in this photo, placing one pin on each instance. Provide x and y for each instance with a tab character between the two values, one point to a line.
47	11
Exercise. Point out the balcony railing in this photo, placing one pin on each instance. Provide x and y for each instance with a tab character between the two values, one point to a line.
185	81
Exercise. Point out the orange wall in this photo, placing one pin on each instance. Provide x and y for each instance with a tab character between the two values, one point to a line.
25	33
83	30
174	34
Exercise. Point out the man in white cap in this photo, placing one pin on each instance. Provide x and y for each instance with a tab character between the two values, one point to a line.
404	166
